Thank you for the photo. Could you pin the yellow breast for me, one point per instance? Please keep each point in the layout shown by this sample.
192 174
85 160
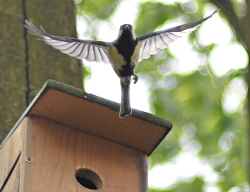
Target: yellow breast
135 56
116 59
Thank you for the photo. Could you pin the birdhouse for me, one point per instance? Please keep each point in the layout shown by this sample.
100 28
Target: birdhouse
68 140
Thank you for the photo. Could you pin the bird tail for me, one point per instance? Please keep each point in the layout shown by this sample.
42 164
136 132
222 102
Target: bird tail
125 108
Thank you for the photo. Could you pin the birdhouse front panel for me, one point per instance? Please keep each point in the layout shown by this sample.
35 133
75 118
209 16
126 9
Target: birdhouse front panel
61 158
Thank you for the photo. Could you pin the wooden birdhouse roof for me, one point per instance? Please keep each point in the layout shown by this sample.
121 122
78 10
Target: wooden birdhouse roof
73 107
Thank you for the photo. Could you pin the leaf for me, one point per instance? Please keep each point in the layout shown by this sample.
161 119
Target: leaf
195 185
154 14
101 9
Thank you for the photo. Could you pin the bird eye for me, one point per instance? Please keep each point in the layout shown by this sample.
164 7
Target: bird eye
122 27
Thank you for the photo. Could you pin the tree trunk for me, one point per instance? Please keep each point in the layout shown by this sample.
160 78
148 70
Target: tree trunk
25 62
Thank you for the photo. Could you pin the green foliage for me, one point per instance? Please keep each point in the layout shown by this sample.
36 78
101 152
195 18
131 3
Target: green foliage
194 185
194 107
86 73
101 9
192 102
155 12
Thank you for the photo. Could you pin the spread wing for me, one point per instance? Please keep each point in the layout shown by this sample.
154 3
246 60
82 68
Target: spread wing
81 49
152 42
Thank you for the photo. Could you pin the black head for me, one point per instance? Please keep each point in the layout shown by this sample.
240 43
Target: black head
126 30
126 27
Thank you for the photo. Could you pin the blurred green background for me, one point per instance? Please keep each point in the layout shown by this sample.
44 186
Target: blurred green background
208 108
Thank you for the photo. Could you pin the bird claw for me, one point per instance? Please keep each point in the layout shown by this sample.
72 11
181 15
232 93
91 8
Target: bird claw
135 79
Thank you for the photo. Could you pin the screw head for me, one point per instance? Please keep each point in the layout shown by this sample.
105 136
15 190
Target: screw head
29 159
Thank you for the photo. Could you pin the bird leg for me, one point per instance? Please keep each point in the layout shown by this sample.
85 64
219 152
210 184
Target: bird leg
135 78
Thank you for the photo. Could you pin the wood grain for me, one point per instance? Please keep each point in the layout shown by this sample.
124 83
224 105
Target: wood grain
13 184
58 151
10 151
99 120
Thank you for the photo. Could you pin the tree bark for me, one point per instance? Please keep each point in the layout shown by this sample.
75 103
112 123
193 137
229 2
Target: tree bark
25 62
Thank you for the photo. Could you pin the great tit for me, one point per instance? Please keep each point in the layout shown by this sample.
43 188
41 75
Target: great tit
123 53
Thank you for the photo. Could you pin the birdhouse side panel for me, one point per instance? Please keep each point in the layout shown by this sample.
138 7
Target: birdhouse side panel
10 153
13 184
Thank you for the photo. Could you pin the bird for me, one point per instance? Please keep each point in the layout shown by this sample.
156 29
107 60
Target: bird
124 53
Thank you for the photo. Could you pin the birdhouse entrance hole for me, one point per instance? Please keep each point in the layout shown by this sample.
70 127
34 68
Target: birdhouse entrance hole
88 178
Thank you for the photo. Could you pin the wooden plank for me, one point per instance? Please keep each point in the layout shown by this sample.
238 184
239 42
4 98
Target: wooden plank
13 183
10 151
58 151
98 120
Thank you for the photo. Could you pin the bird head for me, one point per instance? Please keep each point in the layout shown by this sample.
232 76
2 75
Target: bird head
126 30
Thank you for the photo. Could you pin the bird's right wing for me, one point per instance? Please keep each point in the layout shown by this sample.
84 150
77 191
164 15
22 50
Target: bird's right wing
82 49
152 42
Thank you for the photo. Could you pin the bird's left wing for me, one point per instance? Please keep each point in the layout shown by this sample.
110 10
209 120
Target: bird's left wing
81 49
152 42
